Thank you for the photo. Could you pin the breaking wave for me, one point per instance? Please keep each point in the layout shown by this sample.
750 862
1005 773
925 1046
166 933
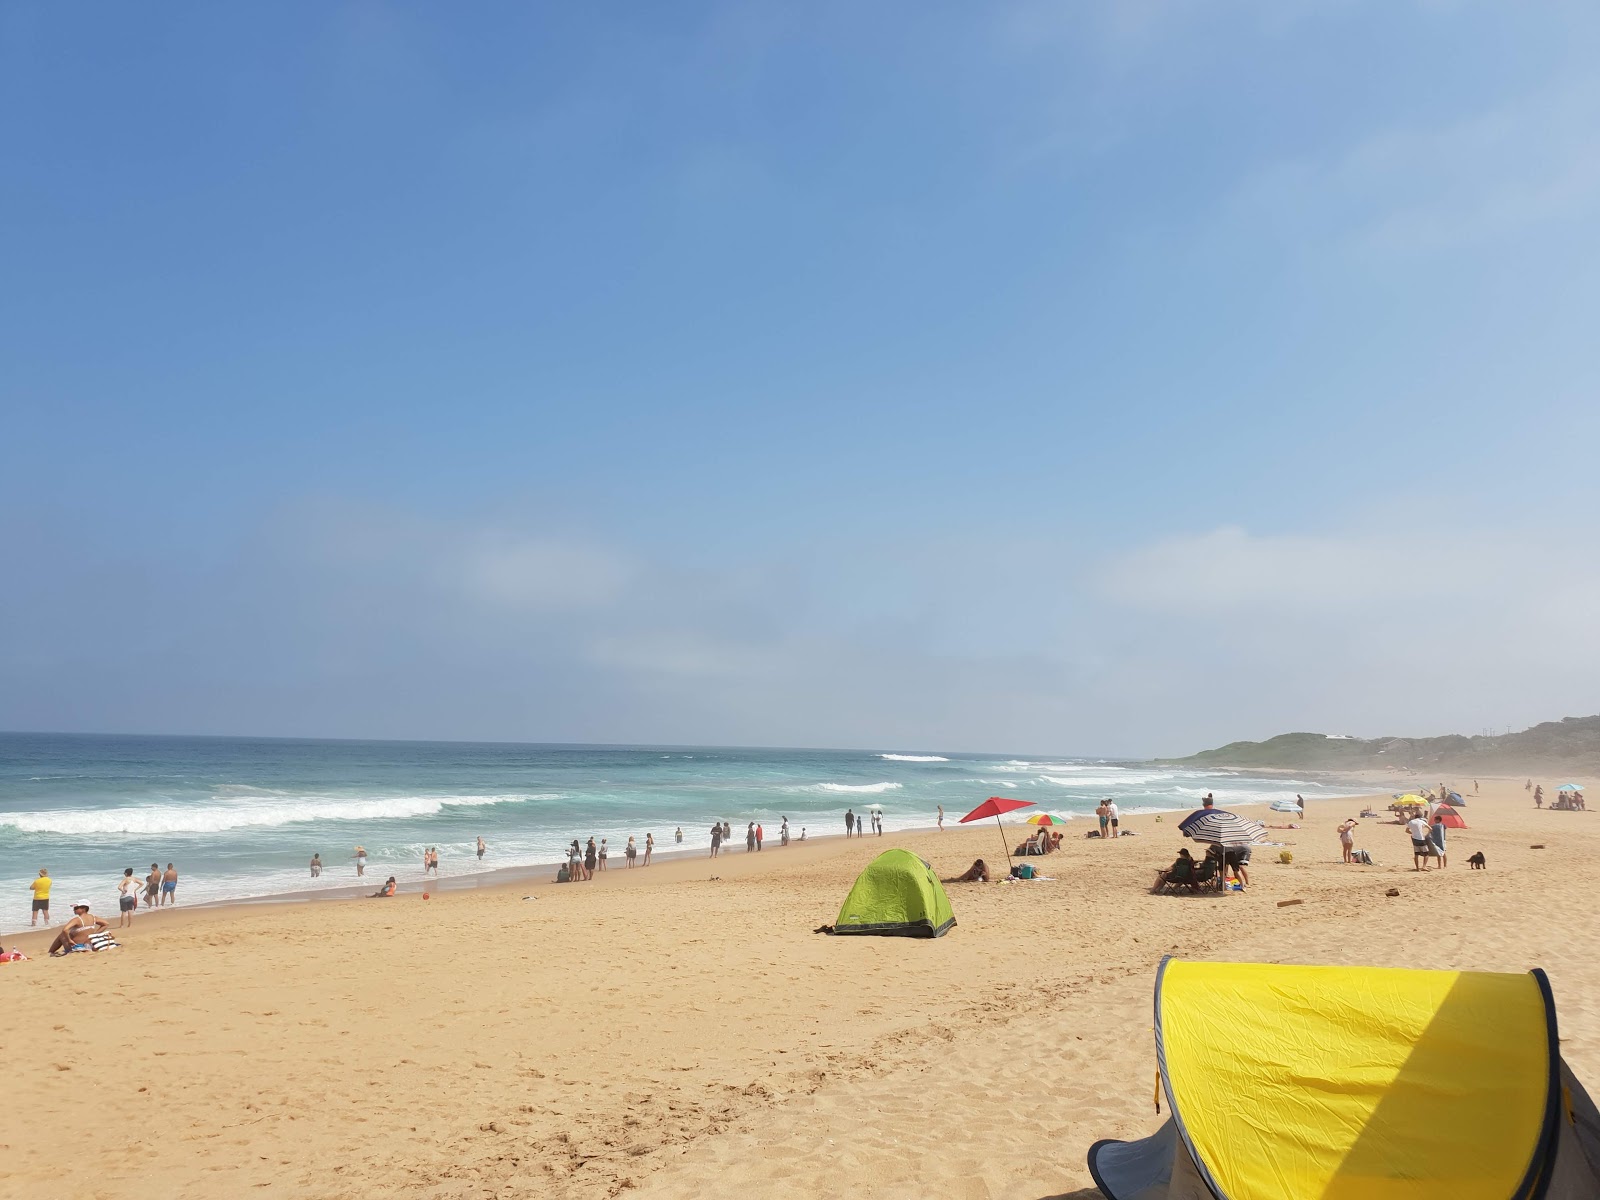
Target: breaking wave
914 757
214 818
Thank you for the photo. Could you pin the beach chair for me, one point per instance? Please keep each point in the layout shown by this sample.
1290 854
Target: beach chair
1179 876
1207 874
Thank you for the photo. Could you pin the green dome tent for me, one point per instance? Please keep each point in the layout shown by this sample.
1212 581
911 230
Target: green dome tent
898 895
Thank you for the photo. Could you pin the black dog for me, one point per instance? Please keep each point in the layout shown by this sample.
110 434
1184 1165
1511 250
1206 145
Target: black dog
1477 862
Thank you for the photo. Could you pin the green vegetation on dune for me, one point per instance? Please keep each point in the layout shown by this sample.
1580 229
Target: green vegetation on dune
1572 743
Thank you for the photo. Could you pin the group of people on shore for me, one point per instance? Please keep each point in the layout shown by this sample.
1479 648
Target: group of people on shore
855 826
158 889
755 836
584 861
1568 799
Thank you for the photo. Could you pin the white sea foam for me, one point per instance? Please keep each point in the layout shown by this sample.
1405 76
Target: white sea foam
214 818
914 757
855 787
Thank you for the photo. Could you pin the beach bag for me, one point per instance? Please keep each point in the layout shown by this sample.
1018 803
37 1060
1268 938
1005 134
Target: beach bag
1365 859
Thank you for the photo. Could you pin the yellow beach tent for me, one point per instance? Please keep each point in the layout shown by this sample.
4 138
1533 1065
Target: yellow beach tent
1357 1083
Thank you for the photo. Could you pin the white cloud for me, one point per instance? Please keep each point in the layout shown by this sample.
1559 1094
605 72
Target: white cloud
1418 189
537 573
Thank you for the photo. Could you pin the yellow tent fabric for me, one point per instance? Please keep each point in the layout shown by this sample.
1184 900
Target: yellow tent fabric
1357 1083
1350 1083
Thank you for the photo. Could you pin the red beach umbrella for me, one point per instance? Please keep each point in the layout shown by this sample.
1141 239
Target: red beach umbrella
993 807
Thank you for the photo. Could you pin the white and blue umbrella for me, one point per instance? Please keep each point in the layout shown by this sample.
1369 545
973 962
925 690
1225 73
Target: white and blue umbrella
1284 806
1221 828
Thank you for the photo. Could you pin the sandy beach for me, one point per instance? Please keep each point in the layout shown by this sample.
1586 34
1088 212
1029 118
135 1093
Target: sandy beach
680 1030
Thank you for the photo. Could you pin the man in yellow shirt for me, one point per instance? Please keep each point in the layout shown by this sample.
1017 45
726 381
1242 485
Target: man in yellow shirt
41 897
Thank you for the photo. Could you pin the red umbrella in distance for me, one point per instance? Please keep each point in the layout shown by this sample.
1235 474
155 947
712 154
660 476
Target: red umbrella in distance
993 807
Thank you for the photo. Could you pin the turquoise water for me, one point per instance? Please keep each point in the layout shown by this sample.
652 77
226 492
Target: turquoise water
242 816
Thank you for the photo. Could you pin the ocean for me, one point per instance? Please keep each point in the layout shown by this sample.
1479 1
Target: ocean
241 817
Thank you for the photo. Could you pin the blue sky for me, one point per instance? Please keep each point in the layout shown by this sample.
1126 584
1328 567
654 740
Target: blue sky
1115 378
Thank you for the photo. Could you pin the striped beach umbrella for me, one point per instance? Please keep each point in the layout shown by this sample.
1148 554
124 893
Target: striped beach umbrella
1046 818
1221 828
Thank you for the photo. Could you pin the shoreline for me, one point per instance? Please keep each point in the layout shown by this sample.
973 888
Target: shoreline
497 880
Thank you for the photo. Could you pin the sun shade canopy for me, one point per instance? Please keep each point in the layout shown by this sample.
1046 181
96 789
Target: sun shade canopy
1357 1083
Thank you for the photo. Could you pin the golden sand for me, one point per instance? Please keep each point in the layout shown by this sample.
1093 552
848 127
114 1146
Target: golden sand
663 1031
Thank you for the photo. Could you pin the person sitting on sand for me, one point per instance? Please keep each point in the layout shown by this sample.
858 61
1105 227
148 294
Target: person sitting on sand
387 890
978 872
77 931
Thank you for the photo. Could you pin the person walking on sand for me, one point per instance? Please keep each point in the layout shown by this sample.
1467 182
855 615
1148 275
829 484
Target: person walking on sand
1347 839
941 818
316 866
849 821
40 888
1104 813
649 845
127 898
169 886
152 885
631 851
716 840
481 849
361 861
1437 833
1538 796
1421 843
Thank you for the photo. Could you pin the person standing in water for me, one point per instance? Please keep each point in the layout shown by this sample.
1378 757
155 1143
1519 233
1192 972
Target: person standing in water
716 840
169 886
678 836
40 888
361 861
481 849
941 818
849 821
127 898
152 885
316 866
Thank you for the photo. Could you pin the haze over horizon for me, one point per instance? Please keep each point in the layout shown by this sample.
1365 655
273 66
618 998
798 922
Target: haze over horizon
1121 379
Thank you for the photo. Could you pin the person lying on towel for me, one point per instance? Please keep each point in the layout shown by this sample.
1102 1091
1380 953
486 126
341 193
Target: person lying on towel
978 872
